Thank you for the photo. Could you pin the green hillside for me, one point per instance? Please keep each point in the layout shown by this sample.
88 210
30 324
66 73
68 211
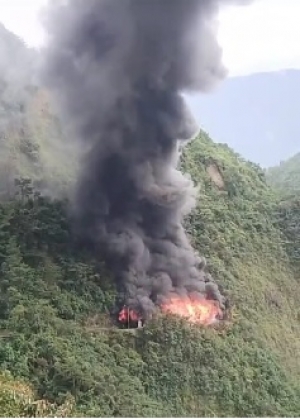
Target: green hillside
285 178
61 352
56 304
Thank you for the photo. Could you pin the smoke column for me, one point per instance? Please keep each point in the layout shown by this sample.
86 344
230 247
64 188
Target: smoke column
118 68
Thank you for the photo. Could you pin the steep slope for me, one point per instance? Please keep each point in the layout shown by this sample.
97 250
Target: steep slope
285 178
237 231
61 353
256 115
31 139
57 301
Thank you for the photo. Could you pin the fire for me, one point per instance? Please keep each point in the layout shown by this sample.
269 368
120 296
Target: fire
194 309
128 315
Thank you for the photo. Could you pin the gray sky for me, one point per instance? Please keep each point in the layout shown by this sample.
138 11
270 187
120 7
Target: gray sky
262 36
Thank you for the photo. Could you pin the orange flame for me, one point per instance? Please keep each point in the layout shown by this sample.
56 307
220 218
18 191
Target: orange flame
128 315
194 309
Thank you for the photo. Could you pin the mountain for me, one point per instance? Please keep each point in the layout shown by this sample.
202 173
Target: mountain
62 352
256 115
286 177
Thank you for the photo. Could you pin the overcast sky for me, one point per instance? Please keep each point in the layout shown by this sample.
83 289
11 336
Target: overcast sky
259 37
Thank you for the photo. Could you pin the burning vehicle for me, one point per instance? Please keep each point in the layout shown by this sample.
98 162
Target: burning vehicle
130 318
195 309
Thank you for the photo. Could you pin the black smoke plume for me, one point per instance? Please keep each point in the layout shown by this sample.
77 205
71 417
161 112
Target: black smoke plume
119 68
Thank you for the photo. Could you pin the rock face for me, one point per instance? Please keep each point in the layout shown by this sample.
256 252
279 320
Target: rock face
215 175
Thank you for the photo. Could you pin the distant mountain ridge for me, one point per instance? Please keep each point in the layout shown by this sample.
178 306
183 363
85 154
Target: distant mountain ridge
285 178
32 143
257 115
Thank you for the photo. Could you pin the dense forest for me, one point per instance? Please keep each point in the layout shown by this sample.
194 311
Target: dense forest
61 352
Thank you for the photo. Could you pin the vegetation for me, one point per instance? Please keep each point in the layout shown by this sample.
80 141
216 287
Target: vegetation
55 306
285 178
61 354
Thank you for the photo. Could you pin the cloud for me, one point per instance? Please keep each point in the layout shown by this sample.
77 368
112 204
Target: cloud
261 37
